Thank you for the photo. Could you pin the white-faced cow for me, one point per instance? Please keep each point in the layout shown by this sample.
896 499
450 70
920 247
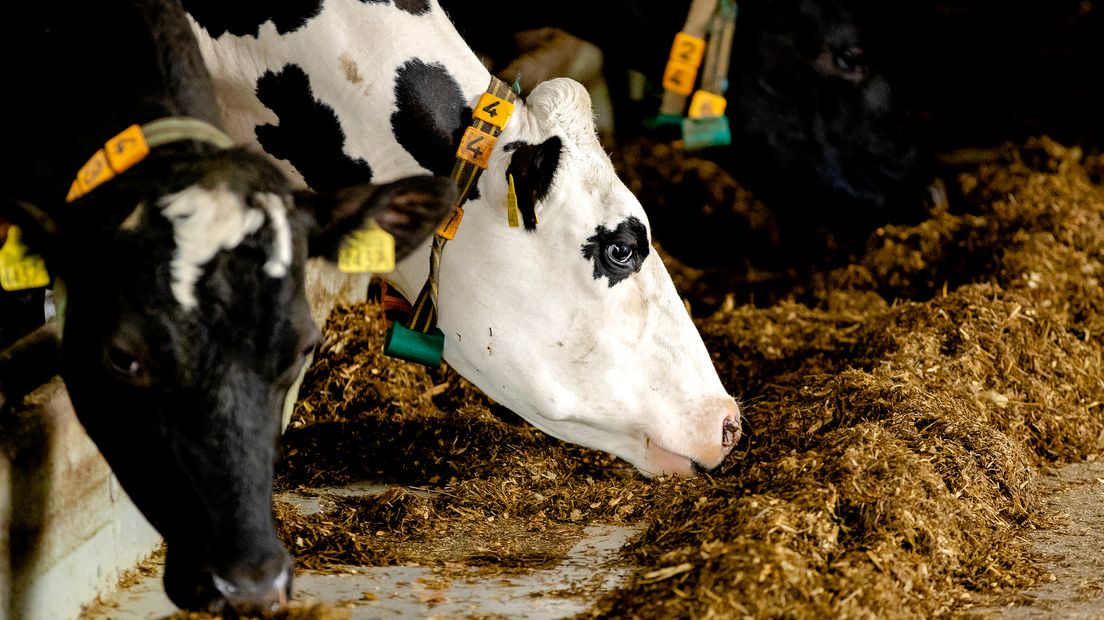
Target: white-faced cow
571 321
185 316
816 130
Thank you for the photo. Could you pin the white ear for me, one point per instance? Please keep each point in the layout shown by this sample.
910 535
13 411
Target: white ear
563 104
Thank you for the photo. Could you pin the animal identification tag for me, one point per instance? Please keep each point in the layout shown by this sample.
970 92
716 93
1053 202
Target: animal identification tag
368 250
705 103
94 173
513 214
700 133
682 66
493 110
451 225
688 49
126 149
476 147
19 269
679 77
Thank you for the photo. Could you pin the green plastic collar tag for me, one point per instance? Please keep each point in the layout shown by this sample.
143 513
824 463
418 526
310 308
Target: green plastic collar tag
700 133
415 346
19 268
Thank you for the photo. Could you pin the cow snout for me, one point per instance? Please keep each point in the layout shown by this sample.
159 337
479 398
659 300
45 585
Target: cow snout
265 587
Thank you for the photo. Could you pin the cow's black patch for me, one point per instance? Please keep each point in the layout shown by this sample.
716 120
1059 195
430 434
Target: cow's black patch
245 17
309 135
414 7
431 115
533 166
618 253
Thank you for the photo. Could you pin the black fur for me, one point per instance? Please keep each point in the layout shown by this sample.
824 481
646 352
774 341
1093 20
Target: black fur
431 115
629 241
414 7
245 17
309 135
533 167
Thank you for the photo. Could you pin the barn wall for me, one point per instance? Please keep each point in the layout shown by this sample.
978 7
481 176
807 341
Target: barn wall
67 530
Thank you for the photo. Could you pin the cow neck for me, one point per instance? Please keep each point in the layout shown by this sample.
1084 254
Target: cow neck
134 143
489 118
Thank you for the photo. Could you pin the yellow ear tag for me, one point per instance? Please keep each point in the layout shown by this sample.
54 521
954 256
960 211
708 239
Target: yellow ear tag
513 214
705 104
19 269
368 250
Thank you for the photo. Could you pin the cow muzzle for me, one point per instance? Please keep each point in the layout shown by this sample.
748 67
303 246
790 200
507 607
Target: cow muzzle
701 446
252 589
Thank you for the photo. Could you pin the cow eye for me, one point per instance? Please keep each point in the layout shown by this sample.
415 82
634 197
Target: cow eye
308 348
619 253
850 59
125 365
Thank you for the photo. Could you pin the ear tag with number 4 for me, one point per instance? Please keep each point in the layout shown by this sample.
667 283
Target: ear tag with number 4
368 250
19 268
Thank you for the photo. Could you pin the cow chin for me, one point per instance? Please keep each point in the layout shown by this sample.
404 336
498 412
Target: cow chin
660 461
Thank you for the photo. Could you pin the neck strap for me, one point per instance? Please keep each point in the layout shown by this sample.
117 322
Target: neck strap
420 340
133 144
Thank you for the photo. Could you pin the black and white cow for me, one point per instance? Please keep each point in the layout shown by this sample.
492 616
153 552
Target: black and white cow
185 316
817 132
571 321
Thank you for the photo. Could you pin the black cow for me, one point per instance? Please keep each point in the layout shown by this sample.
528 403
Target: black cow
816 132
185 316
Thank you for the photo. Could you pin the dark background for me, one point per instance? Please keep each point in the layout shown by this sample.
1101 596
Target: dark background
979 73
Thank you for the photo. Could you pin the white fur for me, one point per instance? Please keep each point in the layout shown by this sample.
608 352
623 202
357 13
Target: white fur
207 221
620 368
276 209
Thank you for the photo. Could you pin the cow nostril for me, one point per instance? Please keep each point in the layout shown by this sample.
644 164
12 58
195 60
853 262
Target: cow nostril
730 432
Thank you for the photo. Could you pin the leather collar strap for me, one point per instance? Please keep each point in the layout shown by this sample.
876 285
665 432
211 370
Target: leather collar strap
133 144
488 119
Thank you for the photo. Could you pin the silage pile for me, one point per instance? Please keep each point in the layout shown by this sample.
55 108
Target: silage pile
895 444
897 418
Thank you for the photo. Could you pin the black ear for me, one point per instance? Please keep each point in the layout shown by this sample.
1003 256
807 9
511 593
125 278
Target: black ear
410 209
533 166
38 229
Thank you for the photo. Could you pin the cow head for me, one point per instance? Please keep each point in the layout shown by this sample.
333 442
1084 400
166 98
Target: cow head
816 123
185 324
571 320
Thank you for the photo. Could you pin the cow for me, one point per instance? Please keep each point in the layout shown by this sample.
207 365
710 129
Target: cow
817 133
570 320
184 320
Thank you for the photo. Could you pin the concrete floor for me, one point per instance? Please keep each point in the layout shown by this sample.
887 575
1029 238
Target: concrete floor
420 592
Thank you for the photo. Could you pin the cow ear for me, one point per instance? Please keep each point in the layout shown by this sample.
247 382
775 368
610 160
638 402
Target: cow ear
531 170
409 209
38 231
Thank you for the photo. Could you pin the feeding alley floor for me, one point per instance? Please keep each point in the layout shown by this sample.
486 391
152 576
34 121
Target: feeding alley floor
587 570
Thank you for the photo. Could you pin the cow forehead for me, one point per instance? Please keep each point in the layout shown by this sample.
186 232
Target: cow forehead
587 183
207 220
